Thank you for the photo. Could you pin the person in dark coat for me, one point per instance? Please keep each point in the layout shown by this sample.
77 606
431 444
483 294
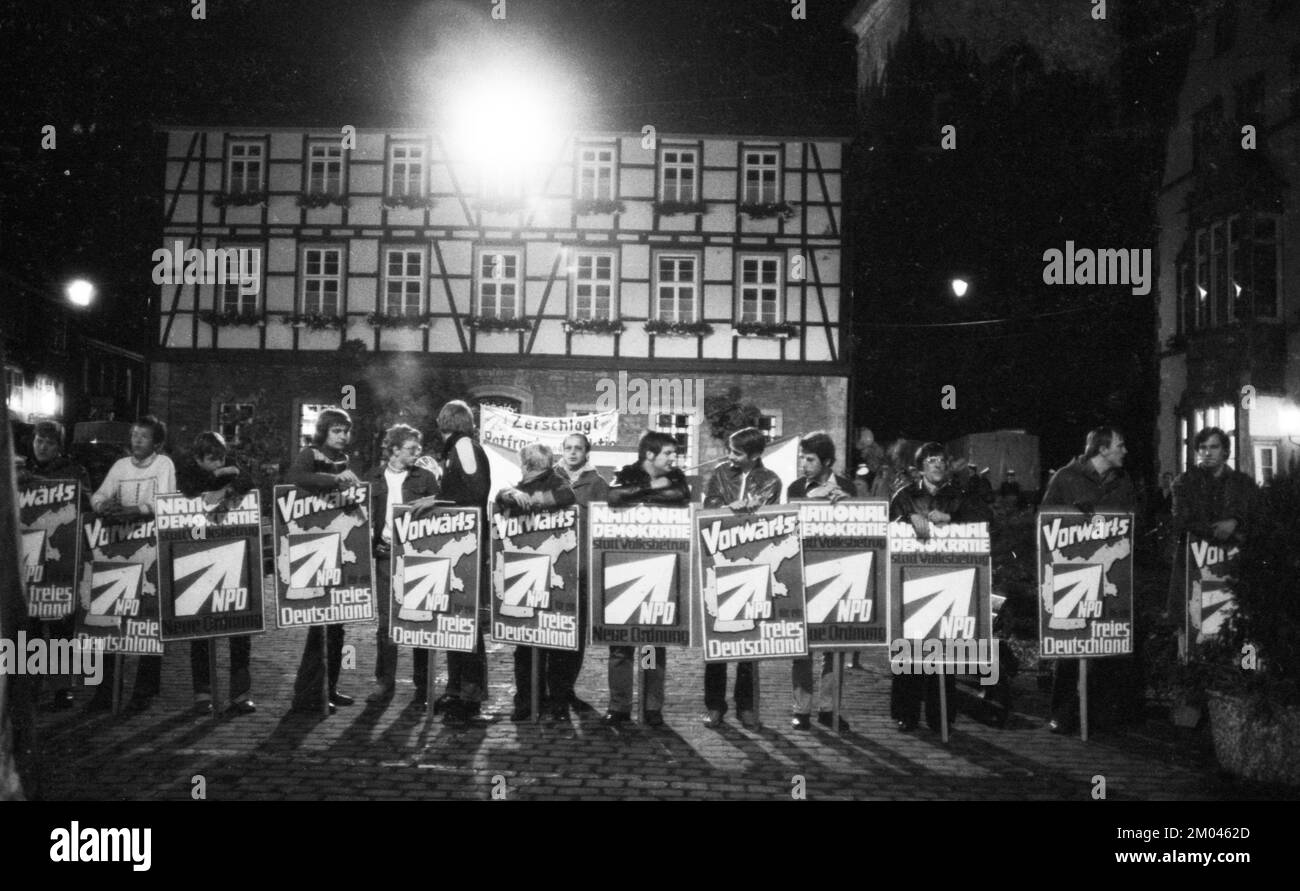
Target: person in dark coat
933 500
1210 500
207 472
541 488
323 467
397 480
466 481
1094 481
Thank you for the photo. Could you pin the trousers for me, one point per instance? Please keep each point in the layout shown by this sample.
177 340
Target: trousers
621 660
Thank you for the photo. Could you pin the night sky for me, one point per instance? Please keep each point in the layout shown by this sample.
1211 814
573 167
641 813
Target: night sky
1047 153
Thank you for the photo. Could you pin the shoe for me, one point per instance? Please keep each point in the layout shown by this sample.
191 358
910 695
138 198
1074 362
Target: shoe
440 704
616 719
801 722
381 693
654 717
62 700
748 719
906 726
310 708
713 719
1060 728
243 706
337 698
520 713
560 715
580 707
827 719
202 707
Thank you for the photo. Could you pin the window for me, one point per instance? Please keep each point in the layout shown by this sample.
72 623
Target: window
322 280
232 418
14 389
308 412
1250 101
1185 441
760 169
403 281
596 173
677 426
509 403
679 175
324 168
769 421
593 286
760 289
245 166
406 162
1237 271
1265 464
676 287
237 296
499 280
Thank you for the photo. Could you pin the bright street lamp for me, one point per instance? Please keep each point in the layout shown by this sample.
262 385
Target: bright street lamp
80 292
959 286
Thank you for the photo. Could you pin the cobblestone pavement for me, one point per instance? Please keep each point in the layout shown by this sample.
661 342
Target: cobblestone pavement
391 752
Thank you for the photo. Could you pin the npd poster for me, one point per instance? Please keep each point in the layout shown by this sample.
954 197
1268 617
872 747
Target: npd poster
324 574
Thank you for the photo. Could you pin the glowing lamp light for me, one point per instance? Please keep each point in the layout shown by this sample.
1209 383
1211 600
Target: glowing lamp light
960 286
1288 416
80 292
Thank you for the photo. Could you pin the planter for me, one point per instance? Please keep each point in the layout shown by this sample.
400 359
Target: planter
1252 747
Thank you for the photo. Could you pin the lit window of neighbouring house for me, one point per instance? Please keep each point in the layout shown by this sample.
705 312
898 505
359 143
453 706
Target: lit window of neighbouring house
499 284
244 167
770 423
676 287
232 418
679 175
760 289
234 298
677 426
761 171
403 281
596 173
1265 464
307 415
593 285
406 162
1237 271
322 280
325 168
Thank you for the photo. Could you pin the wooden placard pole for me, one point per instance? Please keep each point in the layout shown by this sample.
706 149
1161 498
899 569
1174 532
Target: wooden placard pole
758 719
535 684
430 674
838 691
213 686
324 670
943 702
1083 699
119 669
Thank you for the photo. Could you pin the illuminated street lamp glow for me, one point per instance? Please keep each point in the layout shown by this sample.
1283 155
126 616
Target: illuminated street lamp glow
80 292
960 286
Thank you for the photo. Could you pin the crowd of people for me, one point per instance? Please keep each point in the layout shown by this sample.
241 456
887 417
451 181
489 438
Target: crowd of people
927 489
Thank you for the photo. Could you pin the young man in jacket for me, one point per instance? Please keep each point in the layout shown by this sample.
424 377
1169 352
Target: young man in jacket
742 484
933 500
819 482
127 495
588 486
541 488
323 467
1094 481
653 479
206 472
49 463
397 480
